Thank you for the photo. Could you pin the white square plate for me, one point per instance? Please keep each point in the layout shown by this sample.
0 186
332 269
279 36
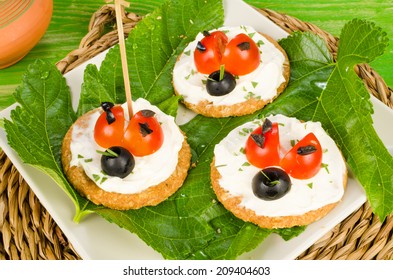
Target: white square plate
95 238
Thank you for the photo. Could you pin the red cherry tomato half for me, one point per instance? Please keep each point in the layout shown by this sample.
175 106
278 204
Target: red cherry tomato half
304 160
241 55
266 154
208 54
144 134
107 135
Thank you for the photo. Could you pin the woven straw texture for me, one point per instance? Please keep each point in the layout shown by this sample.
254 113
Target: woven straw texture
27 231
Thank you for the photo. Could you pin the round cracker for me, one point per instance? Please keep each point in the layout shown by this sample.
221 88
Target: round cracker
232 204
249 106
149 197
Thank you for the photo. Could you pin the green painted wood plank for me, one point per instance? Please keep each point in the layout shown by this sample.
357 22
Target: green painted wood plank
333 14
71 18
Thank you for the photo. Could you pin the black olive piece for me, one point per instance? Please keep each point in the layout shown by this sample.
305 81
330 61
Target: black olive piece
266 126
259 139
306 150
147 113
206 33
145 129
271 183
107 106
217 87
244 46
200 47
120 165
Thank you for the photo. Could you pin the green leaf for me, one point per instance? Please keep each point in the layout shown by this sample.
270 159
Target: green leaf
170 105
362 39
38 125
93 91
289 233
103 85
303 61
349 120
344 109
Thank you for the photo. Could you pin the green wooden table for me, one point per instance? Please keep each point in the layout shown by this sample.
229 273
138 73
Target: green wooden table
71 18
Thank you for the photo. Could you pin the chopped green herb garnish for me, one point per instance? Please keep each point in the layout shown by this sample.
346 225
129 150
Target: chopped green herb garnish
254 84
187 52
246 164
96 177
325 165
242 150
80 156
88 160
273 183
222 72
249 95
260 43
281 124
222 165
310 185
251 34
108 153
247 130
103 180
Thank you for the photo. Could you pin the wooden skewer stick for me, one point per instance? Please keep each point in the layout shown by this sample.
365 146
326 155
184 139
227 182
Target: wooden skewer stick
123 54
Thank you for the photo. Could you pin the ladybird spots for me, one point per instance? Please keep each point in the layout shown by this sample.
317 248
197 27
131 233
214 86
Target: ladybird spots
147 113
206 33
259 139
244 46
266 126
200 47
306 150
144 129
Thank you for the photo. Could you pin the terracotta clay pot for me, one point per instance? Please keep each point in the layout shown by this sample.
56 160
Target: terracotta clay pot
22 25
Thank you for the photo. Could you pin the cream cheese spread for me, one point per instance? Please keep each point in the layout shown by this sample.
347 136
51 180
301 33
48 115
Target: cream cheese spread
305 195
149 170
262 83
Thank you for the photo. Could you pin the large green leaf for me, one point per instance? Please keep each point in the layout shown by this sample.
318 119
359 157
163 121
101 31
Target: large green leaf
344 109
105 84
40 122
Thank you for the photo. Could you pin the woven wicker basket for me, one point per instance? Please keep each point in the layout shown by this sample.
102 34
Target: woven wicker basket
27 230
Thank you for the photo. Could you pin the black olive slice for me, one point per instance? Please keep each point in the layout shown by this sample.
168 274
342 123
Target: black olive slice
217 87
119 163
271 183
